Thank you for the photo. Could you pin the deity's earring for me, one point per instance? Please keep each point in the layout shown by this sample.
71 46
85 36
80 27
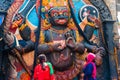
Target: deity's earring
46 24
71 24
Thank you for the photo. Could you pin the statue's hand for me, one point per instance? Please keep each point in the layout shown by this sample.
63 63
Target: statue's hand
49 47
94 20
17 21
70 43
100 51
56 47
97 23
9 39
19 49
80 48
77 47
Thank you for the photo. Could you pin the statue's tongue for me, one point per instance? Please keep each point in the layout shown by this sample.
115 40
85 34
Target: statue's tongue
61 21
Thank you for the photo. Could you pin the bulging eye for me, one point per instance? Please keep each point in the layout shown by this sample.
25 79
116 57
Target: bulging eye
94 11
55 14
65 13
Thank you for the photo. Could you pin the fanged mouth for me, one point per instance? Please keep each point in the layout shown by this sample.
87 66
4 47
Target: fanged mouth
61 21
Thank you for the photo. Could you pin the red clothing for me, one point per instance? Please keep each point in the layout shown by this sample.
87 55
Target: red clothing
40 74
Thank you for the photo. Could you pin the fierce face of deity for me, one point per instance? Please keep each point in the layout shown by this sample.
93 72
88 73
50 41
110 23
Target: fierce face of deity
58 16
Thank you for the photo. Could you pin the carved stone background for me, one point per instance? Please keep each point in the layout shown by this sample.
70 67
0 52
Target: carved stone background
112 6
104 71
105 13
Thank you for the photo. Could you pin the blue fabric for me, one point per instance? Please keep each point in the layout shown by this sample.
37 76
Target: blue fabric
88 72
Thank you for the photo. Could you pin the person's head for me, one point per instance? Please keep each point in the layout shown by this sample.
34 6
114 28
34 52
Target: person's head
42 58
90 57
98 60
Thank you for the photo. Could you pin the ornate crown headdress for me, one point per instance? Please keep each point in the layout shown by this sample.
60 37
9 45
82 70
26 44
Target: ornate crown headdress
54 3
47 5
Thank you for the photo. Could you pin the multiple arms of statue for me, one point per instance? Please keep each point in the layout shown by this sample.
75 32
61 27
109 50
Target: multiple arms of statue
45 48
24 29
26 45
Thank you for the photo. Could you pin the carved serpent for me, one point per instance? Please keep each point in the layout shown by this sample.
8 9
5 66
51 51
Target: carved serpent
8 36
12 11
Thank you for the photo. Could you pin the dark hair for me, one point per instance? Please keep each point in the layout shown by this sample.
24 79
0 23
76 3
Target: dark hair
42 58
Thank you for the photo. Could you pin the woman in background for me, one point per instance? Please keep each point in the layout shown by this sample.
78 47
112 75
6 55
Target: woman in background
43 70
90 67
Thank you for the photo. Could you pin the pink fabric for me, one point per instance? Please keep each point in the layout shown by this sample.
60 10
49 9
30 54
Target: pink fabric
90 59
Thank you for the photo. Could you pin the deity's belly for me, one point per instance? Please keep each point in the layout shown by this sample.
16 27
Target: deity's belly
64 59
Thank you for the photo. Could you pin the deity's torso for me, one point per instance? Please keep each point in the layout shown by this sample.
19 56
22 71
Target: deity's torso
62 59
